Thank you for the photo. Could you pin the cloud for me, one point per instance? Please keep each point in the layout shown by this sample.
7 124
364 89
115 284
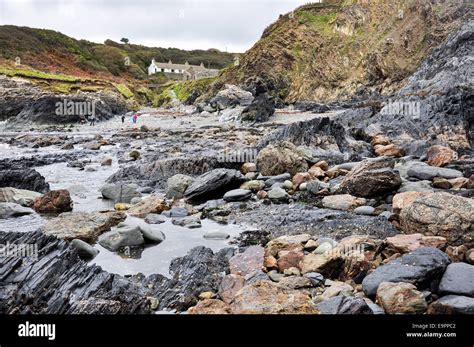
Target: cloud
234 25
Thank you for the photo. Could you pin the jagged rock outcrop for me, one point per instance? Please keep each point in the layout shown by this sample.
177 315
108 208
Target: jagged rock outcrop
279 220
22 102
200 271
58 282
158 172
435 107
320 139
28 179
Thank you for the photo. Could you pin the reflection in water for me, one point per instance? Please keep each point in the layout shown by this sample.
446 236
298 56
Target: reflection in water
156 259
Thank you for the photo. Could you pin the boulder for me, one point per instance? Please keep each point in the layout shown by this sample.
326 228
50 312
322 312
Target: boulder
440 156
93 145
247 262
82 225
10 209
177 185
190 222
176 212
440 214
458 280
402 200
150 204
327 264
154 218
248 167
295 282
316 171
270 181
210 306
28 179
253 185
237 195
265 297
229 286
344 202
290 258
299 178
214 184
452 304
231 114
419 267
344 305
365 210
372 177
278 195
123 235
84 250
106 161
336 288
260 110
390 150
231 96
281 158
401 298
55 202
18 196
119 192
423 171
402 243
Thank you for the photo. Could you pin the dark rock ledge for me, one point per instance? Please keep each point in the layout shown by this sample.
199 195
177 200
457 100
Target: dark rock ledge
58 282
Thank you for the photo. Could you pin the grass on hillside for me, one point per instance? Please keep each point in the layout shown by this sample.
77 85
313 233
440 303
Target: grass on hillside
35 74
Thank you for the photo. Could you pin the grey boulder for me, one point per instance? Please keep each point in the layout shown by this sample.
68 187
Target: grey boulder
123 235
10 209
120 192
344 305
419 267
458 279
213 184
237 195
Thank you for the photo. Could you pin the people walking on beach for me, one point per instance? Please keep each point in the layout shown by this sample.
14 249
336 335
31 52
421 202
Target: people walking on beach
135 118
123 118
92 121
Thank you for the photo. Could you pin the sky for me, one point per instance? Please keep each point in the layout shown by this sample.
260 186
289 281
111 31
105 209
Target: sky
228 25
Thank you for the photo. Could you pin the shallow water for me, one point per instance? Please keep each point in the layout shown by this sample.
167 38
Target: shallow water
82 185
156 259
84 188
22 224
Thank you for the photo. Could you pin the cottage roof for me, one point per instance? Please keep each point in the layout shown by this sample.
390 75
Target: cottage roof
170 65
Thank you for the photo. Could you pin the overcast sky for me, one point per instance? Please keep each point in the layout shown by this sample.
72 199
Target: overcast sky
232 25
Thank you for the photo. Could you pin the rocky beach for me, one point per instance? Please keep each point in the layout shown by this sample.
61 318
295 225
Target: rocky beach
242 202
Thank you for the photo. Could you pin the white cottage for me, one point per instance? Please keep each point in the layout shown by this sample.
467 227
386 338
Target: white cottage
181 71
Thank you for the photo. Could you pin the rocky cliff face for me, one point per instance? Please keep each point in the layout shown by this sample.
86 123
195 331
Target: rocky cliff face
436 106
345 49
23 102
